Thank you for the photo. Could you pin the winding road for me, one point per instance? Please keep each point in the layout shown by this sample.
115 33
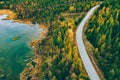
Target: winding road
82 50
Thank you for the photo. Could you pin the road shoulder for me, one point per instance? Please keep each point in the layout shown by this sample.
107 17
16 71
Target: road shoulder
90 50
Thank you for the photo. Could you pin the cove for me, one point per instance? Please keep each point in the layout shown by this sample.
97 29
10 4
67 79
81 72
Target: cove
15 50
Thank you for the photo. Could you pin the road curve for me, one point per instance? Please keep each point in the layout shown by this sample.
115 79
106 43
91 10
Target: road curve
81 47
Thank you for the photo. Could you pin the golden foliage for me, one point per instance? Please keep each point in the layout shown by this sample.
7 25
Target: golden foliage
96 50
107 10
102 39
72 8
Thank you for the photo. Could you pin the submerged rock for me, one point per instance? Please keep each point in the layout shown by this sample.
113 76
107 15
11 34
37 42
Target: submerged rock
3 76
16 38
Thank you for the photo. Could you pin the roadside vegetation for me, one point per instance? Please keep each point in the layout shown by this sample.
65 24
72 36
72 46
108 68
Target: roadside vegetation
104 34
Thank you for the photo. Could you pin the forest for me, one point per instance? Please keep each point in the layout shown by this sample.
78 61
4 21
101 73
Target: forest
57 53
104 34
39 11
56 56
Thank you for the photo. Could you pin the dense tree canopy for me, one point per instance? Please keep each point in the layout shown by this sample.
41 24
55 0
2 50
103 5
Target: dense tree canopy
44 10
104 33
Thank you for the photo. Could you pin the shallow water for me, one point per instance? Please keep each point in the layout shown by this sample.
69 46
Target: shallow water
14 53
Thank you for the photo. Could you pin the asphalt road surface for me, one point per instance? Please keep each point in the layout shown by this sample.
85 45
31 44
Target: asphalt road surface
81 47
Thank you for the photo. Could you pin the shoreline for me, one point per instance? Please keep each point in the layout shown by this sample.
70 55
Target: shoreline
12 16
33 44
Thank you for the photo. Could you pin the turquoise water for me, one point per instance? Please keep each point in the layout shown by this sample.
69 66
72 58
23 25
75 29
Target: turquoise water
14 54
